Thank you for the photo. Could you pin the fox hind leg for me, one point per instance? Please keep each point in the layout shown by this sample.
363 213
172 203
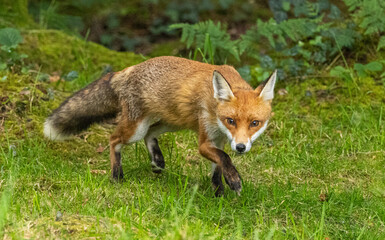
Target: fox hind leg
126 132
115 158
151 141
157 159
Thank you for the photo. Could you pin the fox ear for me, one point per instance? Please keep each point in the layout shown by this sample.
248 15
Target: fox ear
222 89
266 88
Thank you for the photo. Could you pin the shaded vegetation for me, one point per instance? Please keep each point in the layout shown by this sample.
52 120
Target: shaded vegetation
54 50
135 25
304 37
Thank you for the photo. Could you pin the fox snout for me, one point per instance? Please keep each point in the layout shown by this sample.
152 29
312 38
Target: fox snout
240 147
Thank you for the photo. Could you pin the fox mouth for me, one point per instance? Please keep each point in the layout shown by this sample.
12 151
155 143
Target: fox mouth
240 153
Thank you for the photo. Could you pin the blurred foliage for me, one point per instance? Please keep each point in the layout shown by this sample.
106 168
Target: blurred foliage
303 37
10 59
55 51
219 40
15 14
136 24
297 37
373 69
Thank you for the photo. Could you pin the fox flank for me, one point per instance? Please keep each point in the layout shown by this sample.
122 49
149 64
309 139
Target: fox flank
167 94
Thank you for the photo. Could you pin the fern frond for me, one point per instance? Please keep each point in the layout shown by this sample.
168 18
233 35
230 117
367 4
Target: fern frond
220 42
370 14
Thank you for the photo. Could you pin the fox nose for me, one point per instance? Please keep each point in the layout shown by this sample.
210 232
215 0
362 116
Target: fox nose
240 147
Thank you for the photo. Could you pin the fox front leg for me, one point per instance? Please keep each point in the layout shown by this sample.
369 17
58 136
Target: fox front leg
216 171
216 180
224 163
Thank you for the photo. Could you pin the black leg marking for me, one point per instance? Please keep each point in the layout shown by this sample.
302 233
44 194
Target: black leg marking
217 182
117 171
157 159
232 177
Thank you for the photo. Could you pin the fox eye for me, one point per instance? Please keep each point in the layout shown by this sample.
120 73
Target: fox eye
254 123
230 121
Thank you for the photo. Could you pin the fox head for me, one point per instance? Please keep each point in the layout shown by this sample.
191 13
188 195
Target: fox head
242 115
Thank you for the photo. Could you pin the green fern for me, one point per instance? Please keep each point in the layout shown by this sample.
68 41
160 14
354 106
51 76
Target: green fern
381 43
367 10
221 44
344 37
371 13
298 29
370 16
277 33
296 46
353 4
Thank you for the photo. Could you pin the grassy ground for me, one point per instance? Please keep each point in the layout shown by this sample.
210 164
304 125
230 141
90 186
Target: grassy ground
316 173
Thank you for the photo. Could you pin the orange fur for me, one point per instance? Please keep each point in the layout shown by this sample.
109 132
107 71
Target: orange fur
244 109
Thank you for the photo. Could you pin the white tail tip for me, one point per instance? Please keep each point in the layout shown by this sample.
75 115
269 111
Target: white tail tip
52 133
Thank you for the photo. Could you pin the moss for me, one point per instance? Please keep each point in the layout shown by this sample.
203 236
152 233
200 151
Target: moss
15 14
54 50
167 48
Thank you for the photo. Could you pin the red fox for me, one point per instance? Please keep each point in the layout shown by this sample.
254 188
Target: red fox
166 94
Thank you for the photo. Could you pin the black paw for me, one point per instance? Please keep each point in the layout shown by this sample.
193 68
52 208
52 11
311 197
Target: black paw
233 179
219 190
117 174
157 163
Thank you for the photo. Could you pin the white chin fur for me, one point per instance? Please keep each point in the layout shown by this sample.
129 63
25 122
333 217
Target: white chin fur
52 133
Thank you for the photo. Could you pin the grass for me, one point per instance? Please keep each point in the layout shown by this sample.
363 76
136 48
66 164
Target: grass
316 173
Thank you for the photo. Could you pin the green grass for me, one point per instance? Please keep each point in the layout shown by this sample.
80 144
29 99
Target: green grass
317 173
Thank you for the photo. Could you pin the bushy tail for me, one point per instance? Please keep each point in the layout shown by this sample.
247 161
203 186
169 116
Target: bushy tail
94 103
